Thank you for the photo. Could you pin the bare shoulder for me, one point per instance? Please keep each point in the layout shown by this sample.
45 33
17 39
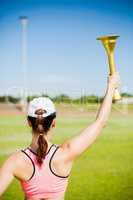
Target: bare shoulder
10 165
59 163
14 158
17 158
64 150
19 163
61 152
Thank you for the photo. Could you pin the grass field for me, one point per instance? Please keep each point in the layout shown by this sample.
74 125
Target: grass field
103 172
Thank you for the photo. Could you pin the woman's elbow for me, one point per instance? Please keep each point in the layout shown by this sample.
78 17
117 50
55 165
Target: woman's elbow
102 123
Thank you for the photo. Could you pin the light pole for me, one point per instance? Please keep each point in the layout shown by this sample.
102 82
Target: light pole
24 24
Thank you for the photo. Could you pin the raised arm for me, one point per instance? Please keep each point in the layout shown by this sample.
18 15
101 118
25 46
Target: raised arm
75 146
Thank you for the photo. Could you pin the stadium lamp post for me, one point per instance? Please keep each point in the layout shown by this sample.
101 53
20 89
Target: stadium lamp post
24 24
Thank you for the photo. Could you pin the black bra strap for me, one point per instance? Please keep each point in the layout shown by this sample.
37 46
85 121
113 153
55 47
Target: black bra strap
51 166
36 153
32 164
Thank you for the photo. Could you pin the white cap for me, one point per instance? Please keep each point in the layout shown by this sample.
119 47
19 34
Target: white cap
43 103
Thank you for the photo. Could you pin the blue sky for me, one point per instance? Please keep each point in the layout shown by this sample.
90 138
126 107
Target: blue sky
63 53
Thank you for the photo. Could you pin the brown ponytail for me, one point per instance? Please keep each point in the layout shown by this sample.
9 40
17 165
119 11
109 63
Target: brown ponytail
41 125
42 148
42 143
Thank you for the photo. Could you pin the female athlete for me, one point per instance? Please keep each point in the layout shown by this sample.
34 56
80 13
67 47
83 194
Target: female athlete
43 168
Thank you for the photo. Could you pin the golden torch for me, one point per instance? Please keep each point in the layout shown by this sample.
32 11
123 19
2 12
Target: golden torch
109 44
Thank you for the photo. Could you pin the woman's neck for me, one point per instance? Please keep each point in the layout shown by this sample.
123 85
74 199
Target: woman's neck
34 142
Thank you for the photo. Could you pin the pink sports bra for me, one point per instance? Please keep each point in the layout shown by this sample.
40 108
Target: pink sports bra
44 182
